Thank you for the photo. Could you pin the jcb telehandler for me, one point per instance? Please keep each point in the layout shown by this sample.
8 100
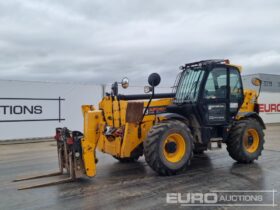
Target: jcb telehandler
208 104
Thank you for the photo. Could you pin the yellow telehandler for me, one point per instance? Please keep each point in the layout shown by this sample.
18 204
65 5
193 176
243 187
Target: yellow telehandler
208 104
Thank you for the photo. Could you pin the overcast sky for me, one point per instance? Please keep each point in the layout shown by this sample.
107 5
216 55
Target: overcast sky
100 41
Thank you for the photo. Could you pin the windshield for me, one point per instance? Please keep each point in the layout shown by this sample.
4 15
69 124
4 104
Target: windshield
188 86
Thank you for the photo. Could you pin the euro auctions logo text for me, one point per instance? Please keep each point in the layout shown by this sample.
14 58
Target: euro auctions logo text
223 198
30 109
192 198
20 110
271 108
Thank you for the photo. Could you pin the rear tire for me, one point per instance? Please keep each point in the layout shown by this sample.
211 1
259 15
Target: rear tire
168 148
246 140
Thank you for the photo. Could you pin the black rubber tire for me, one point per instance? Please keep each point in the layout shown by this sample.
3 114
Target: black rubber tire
153 147
126 159
235 146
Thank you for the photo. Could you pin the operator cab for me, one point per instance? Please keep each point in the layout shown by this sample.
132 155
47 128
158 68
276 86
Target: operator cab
209 93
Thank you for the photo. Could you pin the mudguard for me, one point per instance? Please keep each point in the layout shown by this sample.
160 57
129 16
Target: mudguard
252 115
169 116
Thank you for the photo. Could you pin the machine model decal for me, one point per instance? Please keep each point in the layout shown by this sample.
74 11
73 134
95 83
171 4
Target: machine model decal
216 112
156 110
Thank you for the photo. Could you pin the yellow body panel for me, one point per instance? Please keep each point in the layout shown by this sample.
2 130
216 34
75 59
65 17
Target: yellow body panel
131 138
92 131
250 99
112 147
112 113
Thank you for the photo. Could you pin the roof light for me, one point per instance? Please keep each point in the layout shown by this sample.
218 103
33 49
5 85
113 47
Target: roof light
227 61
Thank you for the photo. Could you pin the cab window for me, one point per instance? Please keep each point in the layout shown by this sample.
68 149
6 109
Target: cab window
235 85
236 92
216 84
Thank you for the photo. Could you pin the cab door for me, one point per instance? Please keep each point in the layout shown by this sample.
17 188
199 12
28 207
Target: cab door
222 95
215 97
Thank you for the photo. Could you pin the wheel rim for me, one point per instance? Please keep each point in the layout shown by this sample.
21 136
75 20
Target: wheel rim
251 140
174 148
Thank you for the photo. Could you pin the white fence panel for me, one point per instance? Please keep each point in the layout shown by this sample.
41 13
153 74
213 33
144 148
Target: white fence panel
270 107
31 109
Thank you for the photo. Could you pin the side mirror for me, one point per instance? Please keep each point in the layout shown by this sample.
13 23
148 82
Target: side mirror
154 79
125 83
256 81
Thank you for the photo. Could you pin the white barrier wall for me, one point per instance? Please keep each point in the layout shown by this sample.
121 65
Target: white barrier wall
31 109
270 107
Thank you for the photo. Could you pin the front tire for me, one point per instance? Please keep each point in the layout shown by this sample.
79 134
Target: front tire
168 148
246 140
